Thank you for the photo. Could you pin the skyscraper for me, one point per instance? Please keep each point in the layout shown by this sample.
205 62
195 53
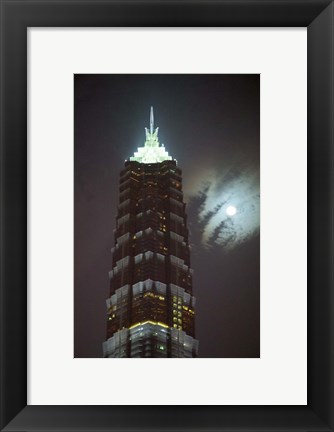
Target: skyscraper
151 307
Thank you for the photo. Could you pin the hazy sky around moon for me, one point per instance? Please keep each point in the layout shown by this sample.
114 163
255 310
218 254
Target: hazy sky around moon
218 191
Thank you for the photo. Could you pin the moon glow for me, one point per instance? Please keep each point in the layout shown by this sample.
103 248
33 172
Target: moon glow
231 211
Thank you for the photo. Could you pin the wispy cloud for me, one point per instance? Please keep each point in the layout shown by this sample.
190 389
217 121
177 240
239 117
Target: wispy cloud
216 191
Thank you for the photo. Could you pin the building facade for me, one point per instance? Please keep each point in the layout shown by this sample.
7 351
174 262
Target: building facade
151 308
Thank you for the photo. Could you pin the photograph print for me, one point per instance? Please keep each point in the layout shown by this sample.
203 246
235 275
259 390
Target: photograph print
167 216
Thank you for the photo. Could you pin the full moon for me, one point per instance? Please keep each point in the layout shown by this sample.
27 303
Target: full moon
231 211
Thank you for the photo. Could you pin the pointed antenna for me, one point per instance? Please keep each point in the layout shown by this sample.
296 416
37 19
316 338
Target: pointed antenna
151 120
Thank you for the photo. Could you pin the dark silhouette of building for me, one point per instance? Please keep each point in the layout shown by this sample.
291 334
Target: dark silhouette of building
151 307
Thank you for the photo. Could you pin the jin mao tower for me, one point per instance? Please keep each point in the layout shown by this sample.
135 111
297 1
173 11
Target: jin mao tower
151 308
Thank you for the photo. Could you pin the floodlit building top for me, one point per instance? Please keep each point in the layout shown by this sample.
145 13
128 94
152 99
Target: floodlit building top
152 152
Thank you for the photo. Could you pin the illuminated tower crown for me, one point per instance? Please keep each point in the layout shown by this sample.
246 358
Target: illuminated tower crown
152 152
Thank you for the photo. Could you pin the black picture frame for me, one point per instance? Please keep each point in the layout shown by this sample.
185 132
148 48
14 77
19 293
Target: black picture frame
16 16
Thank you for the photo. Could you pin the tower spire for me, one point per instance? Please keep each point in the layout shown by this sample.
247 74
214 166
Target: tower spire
151 120
151 152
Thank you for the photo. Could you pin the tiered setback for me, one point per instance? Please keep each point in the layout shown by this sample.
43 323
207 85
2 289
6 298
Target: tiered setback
151 307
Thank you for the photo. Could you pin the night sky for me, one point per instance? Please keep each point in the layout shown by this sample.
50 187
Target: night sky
211 125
